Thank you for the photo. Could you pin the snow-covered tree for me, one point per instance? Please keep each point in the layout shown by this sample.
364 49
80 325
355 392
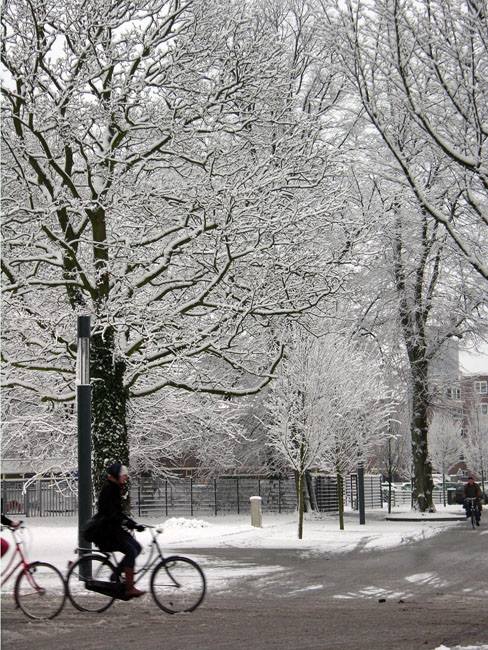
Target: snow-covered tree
418 285
168 168
421 70
356 411
475 439
196 430
294 403
328 407
445 443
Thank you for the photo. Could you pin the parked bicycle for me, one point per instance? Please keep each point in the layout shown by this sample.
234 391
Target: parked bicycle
39 590
473 510
177 583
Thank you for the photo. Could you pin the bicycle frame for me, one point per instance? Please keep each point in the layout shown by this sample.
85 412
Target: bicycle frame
473 506
8 571
155 554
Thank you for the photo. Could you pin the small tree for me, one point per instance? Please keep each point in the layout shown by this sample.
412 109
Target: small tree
355 412
393 455
294 405
445 445
328 407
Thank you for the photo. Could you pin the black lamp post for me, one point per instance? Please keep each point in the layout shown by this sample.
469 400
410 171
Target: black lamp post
83 400
361 502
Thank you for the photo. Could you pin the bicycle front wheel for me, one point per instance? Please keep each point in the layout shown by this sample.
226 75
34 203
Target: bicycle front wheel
85 581
40 591
473 517
178 585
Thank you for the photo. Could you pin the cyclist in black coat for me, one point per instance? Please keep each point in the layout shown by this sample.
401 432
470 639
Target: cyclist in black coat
112 522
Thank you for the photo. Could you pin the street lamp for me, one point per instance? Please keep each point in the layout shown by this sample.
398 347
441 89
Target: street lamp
83 401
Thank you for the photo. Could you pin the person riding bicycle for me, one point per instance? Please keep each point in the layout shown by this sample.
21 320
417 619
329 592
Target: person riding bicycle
110 523
472 491
11 524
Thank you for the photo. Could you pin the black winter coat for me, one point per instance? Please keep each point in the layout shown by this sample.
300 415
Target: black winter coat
106 527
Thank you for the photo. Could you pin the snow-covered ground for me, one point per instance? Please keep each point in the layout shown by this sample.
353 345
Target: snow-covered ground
54 539
463 647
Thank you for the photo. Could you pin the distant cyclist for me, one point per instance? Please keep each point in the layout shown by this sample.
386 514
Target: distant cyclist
472 491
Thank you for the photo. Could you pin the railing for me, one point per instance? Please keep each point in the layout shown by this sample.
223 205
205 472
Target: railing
225 495
404 497
187 496
41 498
154 497
326 496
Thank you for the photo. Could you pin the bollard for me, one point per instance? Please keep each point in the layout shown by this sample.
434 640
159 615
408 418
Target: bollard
256 513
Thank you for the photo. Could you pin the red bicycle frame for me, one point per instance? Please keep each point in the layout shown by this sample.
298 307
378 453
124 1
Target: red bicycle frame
8 571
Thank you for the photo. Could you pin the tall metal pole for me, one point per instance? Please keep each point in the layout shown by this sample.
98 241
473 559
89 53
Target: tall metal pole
362 513
390 472
83 398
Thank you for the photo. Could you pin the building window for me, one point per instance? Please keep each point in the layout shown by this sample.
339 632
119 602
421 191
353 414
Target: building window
453 393
484 409
481 387
458 413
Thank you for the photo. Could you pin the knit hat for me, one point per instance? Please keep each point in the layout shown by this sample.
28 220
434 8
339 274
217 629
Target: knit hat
117 469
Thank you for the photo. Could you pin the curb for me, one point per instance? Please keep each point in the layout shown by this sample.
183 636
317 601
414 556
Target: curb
422 519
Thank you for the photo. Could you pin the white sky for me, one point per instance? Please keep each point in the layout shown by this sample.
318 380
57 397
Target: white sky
472 360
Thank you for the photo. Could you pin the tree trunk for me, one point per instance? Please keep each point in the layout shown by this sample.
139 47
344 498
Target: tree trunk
109 407
444 485
301 503
422 468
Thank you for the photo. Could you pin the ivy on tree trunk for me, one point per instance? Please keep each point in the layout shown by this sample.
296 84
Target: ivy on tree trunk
422 468
109 406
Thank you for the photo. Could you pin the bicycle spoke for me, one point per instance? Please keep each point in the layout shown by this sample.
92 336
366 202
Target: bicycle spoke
40 591
178 585
84 577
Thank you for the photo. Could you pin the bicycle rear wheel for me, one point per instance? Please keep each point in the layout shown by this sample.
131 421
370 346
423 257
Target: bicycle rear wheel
178 584
40 591
82 578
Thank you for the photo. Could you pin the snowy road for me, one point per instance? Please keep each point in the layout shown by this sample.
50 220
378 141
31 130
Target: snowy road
419 595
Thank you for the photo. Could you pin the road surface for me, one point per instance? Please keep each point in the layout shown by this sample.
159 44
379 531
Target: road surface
418 595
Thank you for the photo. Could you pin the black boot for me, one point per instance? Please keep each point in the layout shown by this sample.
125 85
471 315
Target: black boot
115 577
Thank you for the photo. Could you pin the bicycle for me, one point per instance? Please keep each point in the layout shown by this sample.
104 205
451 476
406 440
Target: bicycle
474 510
177 583
40 589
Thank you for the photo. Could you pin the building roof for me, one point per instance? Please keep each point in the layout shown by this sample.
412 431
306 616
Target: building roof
33 466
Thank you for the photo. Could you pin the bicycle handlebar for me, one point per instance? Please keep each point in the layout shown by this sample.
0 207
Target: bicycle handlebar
157 529
20 524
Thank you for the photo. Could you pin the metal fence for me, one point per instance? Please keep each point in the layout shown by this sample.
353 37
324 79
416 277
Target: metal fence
41 498
326 494
155 497
373 497
404 497
225 495
188 496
